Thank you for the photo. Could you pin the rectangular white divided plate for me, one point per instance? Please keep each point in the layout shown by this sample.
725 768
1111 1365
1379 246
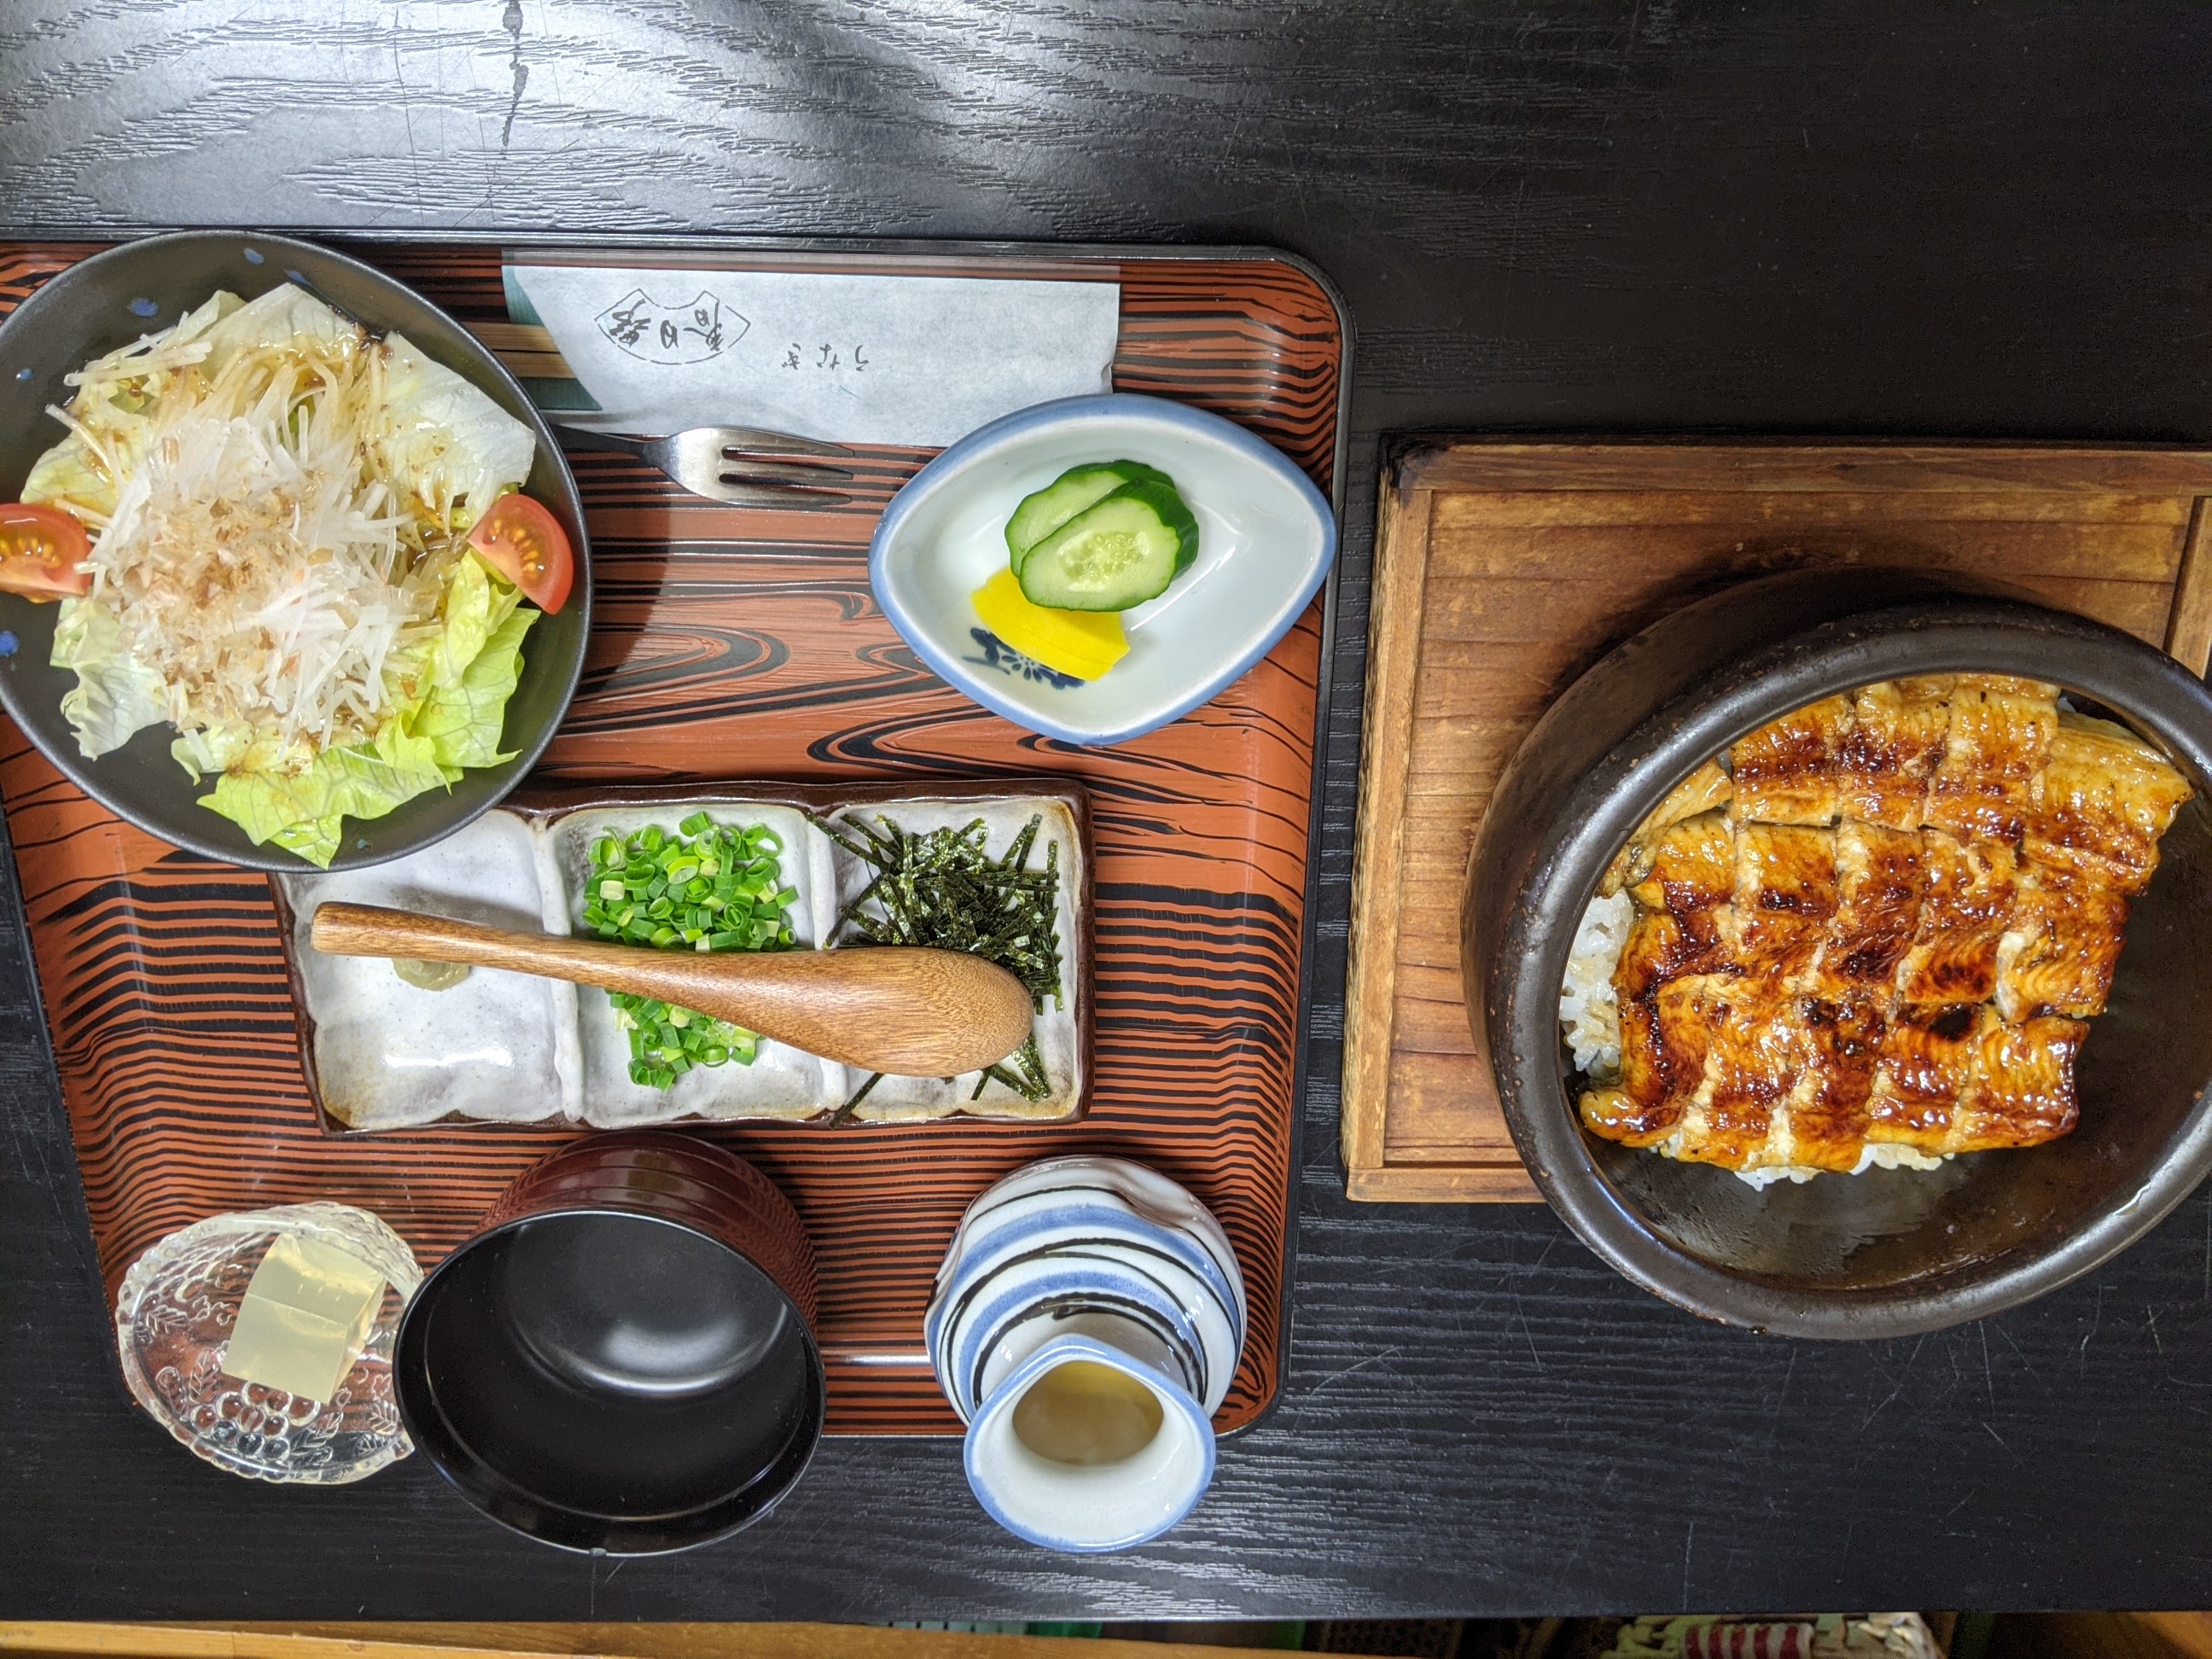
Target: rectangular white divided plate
508 1048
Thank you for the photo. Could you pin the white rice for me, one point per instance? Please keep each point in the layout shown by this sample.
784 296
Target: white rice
1870 1158
1588 1007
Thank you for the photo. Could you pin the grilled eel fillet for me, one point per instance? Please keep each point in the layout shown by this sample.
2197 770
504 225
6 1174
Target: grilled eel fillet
1883 924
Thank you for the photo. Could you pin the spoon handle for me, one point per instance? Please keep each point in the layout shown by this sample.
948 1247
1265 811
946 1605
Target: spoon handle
885 1008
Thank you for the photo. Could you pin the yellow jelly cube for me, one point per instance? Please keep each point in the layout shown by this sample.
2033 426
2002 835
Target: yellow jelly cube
1083 643
306 1315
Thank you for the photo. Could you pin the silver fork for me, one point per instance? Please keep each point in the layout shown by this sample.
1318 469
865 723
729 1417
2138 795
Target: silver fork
714 461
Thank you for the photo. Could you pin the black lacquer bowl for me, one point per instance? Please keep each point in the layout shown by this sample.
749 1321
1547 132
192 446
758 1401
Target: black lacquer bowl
622 1359
110 300
1887 1253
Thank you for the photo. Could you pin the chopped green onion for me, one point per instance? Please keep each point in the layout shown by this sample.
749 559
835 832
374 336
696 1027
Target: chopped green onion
703 888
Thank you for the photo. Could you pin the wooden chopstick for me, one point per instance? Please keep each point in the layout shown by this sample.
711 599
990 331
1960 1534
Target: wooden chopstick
526 349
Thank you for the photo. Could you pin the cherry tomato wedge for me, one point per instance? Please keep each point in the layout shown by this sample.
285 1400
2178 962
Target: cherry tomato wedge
525 544
41 551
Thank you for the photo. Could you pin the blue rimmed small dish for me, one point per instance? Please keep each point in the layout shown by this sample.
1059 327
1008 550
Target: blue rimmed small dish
1267 538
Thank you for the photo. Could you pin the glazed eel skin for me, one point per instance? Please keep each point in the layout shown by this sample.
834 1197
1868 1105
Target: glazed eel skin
1883 923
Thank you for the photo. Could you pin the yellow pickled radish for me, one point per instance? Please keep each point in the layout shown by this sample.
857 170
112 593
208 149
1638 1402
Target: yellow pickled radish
1083 643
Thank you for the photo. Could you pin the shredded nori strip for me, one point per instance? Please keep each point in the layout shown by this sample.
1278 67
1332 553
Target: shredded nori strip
941 890
854 1099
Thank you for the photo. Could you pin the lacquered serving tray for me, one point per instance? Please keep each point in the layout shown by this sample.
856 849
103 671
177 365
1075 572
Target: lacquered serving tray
731 643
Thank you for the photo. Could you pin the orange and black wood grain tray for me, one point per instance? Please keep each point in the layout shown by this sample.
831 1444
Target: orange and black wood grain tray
731 643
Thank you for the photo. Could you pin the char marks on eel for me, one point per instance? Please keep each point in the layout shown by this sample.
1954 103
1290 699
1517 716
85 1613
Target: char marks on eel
1875 934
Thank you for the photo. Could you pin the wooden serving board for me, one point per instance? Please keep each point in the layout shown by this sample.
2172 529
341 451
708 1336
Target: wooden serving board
1503 569
733 642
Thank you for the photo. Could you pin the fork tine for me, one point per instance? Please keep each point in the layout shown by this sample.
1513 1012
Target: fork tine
741 440
778 472
783 495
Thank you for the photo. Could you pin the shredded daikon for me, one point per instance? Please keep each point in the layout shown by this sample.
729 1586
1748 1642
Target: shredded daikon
249 567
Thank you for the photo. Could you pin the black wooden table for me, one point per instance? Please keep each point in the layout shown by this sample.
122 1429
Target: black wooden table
1861 216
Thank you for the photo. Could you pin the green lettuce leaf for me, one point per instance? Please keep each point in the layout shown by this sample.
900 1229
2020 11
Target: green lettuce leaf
64 474
302 813
213 748
477 604
115 694
463 720
471 670
282 316
459 448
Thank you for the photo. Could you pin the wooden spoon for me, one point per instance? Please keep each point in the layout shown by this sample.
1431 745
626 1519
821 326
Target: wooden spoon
880 1007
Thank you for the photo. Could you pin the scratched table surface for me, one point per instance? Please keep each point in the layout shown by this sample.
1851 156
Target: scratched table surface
1870 217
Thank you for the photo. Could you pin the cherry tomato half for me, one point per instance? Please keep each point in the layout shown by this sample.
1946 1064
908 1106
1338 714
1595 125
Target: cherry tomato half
525 544
41 549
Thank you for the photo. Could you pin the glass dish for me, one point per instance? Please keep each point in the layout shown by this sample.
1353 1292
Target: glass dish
172 1323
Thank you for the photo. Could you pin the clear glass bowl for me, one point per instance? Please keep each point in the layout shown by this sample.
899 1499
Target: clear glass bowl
172 1322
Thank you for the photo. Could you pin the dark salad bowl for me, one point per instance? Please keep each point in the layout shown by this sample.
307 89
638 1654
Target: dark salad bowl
110 300
1890 1252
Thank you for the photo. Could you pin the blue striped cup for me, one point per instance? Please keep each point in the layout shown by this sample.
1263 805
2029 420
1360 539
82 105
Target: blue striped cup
1085 1325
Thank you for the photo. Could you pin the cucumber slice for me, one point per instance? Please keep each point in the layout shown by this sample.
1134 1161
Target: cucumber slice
1071 493
1117 553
